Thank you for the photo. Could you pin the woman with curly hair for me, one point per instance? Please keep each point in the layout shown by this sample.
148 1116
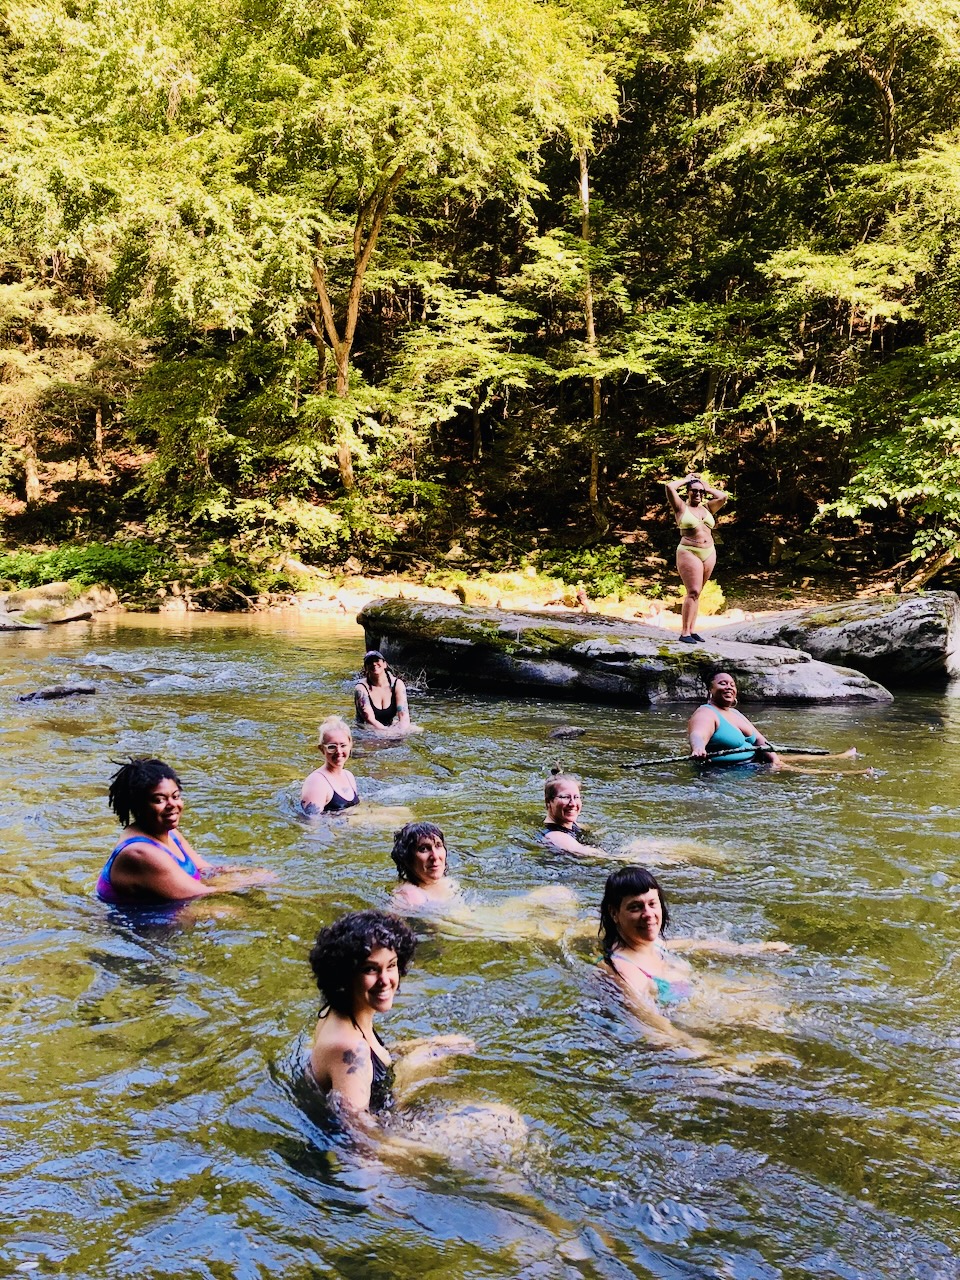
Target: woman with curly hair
154 862
358 962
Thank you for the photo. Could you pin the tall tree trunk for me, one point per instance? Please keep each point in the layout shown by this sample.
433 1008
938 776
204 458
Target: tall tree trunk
98 456
344 436
31 477
881 78
593 494
366 229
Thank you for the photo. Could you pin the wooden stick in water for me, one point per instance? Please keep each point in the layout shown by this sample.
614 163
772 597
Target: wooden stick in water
731 751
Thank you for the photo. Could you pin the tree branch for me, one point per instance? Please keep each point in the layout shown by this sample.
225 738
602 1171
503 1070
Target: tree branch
326 308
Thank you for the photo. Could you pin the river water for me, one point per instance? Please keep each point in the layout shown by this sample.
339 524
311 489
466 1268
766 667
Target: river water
149 1119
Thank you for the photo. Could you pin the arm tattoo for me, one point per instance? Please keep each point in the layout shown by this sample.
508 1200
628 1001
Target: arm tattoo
352 1060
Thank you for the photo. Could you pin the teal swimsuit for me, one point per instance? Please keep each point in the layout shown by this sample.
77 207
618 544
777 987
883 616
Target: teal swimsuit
727 736
667 992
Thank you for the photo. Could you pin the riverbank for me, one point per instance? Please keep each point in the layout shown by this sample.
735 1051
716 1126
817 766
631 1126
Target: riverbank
746 597
751 598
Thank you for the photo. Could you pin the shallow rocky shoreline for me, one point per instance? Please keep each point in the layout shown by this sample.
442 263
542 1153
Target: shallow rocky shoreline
907 639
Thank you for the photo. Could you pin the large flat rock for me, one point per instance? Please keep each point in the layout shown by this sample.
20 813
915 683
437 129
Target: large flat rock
906 639
595 659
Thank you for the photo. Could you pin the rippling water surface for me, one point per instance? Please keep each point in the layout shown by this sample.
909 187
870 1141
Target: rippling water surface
149 1122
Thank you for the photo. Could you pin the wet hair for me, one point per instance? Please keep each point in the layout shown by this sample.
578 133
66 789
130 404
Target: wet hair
625 883
342 947
713 673
557 779
132 783
405 843
333 724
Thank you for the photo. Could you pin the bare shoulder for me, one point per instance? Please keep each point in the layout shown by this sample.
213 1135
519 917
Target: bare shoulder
143 854
704 715
337 1048
408 895
316 786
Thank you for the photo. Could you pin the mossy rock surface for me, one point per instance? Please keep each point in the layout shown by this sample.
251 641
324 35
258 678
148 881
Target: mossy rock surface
598 659
907 639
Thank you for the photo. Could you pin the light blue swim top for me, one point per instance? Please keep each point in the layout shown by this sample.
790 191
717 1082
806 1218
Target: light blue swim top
727 736
668 992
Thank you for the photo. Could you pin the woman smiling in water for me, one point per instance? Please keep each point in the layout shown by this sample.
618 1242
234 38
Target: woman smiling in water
633 919
154 862
380 699
331 788
717 726
420 855
358 963
561 796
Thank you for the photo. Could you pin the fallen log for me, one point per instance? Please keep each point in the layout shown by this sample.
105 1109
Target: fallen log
58 691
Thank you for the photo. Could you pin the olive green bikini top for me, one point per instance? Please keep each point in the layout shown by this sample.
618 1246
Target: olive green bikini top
690 520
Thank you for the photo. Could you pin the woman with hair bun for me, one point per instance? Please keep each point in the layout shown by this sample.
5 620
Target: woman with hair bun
154 862
331 788
561 796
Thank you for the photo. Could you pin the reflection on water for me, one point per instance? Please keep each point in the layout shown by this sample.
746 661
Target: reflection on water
149 1117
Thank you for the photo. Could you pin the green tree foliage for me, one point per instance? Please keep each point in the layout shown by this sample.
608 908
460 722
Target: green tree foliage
364 271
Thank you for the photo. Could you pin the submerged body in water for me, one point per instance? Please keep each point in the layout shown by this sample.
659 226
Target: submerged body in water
420 856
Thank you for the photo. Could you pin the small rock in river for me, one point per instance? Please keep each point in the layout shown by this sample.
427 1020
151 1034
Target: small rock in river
566 731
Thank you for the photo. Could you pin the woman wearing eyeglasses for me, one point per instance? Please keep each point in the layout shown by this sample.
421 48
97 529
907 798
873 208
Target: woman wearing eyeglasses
561 796
331 788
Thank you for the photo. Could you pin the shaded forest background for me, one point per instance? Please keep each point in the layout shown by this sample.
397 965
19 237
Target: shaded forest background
377 279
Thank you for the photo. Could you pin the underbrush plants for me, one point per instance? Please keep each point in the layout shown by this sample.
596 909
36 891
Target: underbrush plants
124 565
600 569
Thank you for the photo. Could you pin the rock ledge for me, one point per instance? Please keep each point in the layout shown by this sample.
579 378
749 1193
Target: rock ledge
594 660
907 639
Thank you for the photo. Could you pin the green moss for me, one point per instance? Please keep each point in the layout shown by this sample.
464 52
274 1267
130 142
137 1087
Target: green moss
408 619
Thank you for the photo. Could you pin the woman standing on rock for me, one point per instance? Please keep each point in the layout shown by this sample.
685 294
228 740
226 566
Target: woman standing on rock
696 553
